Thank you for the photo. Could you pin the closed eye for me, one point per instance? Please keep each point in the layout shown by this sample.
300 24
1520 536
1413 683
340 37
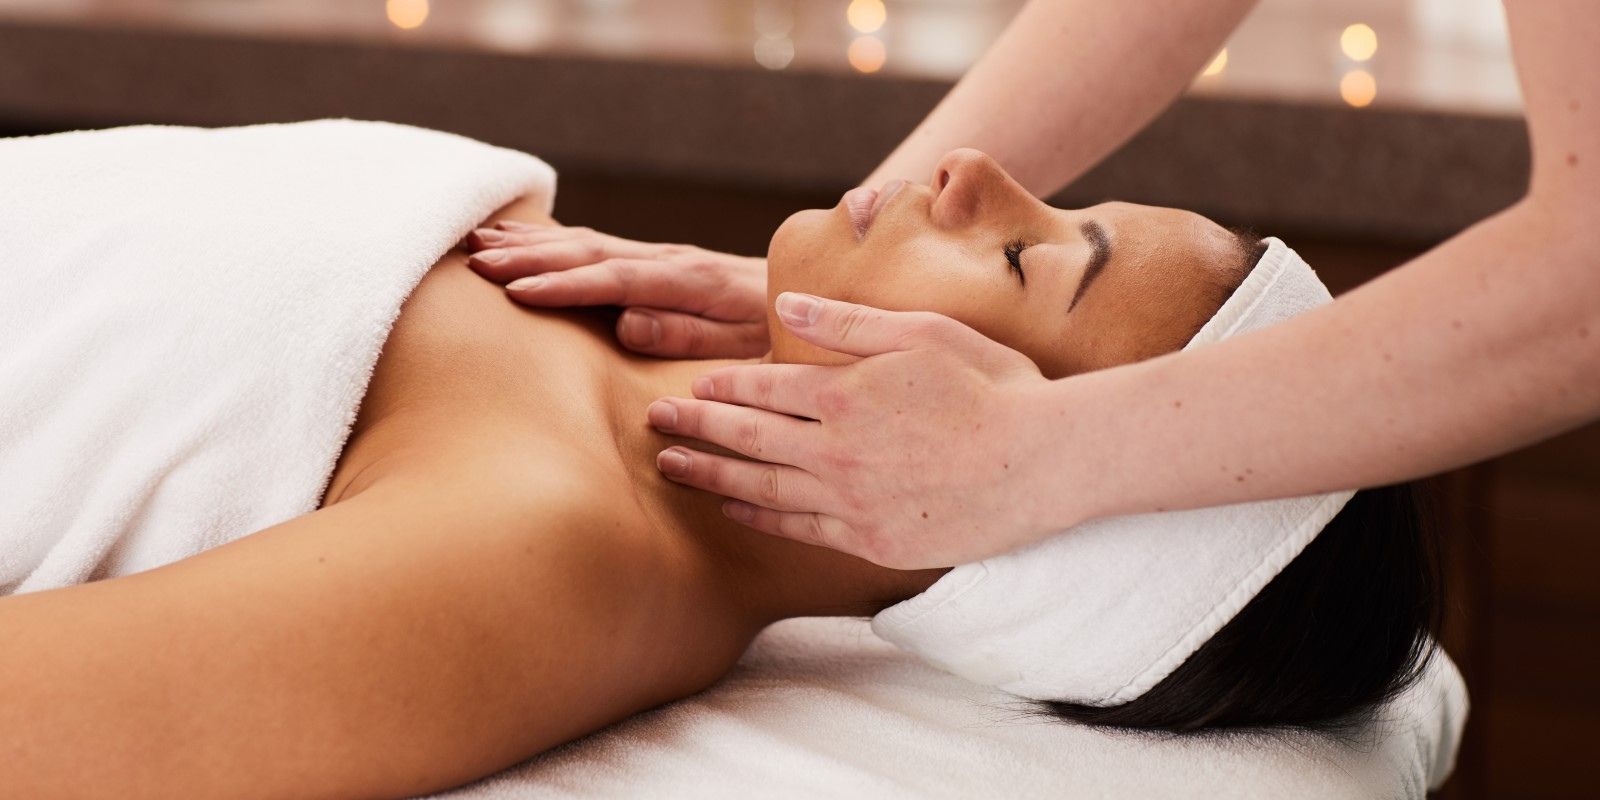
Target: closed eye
1013 251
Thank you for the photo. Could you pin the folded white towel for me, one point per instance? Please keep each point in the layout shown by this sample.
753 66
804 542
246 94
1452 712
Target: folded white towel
189 318
1100 613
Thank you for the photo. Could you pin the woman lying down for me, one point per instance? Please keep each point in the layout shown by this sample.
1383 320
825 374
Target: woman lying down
496 566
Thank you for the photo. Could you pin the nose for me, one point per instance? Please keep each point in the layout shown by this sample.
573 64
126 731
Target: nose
968 183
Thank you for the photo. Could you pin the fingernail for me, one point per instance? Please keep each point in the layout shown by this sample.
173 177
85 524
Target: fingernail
489 256
673 461
640 329
701 387
663 415
490 237
513 225
738 511
798 310
526 284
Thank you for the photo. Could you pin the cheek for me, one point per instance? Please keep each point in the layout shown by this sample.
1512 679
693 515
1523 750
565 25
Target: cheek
899 271
974 286
919 273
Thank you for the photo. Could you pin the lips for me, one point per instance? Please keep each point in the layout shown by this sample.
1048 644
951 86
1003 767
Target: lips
863 204
858 204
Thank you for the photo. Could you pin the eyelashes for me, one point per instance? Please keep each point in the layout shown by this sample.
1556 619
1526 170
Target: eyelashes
1013 251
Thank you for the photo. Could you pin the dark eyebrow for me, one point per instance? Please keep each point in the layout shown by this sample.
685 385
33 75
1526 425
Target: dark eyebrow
1097 259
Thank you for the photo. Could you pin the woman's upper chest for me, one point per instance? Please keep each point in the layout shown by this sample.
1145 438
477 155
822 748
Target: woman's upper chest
464 369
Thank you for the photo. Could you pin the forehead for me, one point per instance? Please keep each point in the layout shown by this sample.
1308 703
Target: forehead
1170 244
1164 279
1155 227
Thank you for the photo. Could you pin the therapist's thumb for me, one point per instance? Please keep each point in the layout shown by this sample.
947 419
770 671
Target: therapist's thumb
669 334
860 330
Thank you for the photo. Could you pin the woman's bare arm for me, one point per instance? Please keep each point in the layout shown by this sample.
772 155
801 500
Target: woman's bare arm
413 637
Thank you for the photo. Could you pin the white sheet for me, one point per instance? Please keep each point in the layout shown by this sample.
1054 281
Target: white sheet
823 708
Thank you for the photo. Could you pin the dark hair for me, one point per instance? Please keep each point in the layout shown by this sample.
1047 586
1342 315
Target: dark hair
1344 627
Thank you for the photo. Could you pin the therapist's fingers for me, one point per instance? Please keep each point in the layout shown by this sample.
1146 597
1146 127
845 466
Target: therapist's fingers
513 261
809 527
750 431
485 238
795 389
773 486
491 238
519 225
643 282
860 330
614 281
670 334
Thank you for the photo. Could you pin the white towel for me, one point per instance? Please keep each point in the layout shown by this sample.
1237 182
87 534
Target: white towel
189 319
1100 613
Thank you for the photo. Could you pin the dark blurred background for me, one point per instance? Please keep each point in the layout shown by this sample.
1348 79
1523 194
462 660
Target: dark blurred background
1362 132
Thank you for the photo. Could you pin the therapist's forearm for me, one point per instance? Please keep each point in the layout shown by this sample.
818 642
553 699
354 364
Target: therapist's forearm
1485 344
1068 82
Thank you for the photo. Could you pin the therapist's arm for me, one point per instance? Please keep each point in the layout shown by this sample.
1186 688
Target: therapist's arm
1067 83
1484 344
1487 343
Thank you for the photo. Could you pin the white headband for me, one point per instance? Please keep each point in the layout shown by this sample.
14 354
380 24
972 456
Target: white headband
1100 613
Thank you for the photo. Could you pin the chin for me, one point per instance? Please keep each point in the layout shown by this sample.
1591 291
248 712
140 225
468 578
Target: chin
801 248
805 244
802 231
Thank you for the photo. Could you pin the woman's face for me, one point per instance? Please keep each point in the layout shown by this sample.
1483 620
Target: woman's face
1075 290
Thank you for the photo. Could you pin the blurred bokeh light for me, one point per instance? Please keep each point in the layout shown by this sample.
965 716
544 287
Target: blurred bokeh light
1358 88
867 54
1359 42
407 14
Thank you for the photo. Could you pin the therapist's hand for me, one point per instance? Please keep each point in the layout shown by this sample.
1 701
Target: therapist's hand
680 301
910 457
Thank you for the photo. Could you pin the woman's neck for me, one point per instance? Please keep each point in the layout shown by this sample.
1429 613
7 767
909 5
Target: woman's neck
562 374
775 577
